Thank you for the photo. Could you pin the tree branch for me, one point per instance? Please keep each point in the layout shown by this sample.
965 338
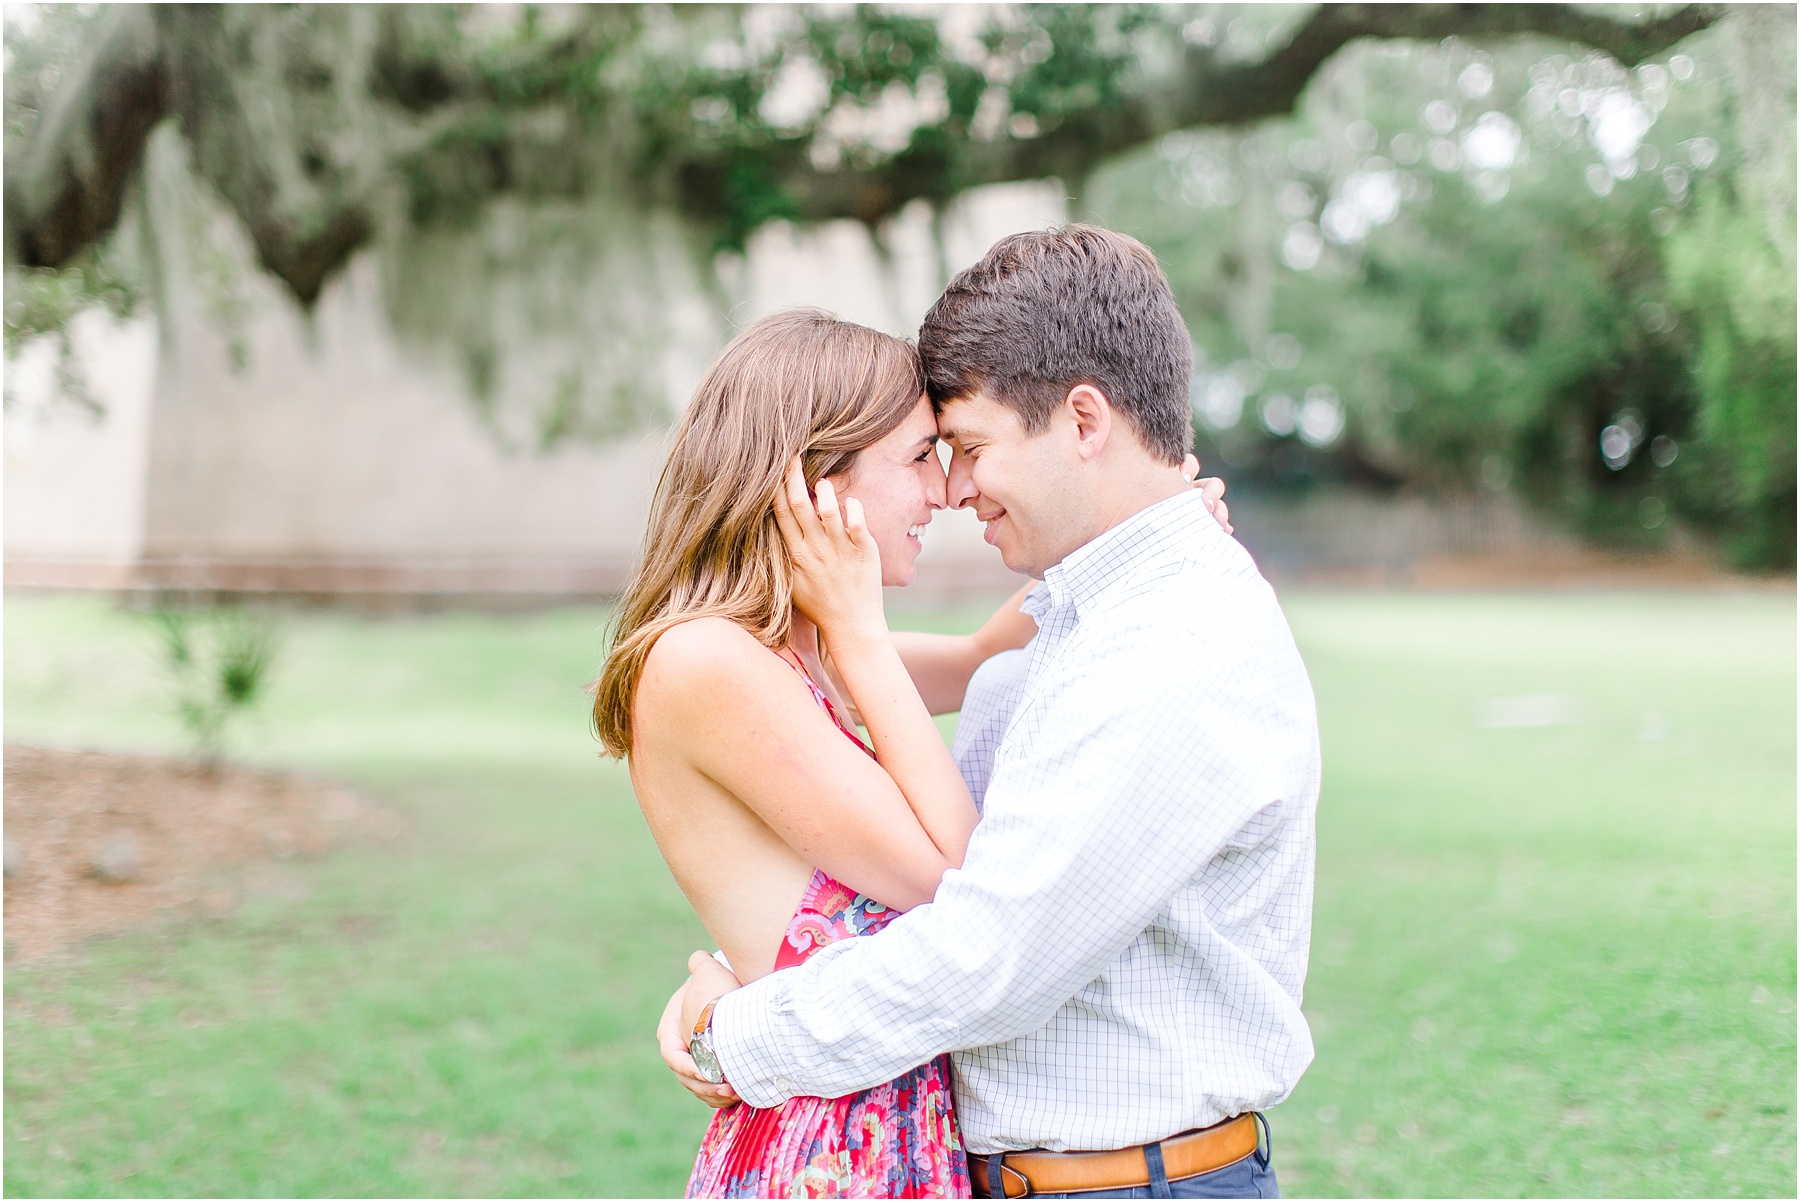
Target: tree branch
257 95
306 205
1227 95
1205 92
64 189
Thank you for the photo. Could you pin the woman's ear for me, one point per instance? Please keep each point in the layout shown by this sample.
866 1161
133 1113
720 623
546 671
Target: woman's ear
1091 414
843 483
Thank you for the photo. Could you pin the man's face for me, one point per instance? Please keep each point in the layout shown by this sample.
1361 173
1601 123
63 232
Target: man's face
1020 485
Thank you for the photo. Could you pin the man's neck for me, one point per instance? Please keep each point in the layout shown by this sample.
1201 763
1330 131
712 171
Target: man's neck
1135 493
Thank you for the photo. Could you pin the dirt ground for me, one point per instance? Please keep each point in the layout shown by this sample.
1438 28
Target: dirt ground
98 843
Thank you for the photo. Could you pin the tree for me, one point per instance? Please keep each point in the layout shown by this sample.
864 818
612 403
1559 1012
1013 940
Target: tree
1450 342
1500 272
305 118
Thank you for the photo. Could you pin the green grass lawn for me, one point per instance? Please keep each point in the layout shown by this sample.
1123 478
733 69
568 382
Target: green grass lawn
1554 960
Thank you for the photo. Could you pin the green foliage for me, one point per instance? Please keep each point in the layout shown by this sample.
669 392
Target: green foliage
218 661
712 110
43 44
1546 962
39 53
41 302
1735 289
1490 328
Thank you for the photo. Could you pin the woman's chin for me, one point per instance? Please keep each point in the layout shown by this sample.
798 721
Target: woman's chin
898 569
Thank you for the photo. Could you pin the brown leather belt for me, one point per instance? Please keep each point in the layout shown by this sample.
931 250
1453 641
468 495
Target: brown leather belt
1186 1155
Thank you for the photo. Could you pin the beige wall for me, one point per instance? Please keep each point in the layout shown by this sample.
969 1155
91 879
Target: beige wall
332 459
332 445
75 481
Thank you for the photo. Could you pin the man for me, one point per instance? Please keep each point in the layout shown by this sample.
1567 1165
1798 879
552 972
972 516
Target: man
1117 966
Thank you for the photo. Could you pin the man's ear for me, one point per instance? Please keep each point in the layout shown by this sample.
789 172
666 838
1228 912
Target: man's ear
1092 417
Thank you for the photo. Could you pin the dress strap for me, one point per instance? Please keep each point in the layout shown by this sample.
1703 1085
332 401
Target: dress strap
823 700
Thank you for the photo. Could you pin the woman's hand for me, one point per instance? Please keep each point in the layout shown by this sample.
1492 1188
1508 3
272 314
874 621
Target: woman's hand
837 583
836 565
1212 489
672 1035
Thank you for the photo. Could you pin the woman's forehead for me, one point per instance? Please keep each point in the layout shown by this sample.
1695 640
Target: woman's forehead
921 423
915 432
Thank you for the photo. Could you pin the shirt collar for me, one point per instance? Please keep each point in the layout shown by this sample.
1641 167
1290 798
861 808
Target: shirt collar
1157 533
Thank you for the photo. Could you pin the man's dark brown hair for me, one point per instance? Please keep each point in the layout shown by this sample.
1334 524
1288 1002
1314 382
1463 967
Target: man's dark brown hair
1045 311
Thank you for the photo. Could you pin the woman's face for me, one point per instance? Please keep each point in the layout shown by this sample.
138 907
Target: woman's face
900 484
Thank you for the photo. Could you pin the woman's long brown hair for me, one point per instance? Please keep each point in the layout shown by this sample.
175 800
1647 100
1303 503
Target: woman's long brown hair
797 383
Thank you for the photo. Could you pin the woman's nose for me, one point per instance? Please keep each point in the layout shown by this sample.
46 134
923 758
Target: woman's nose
936 486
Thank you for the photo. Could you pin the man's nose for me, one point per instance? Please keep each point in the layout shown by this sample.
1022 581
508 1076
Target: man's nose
960 491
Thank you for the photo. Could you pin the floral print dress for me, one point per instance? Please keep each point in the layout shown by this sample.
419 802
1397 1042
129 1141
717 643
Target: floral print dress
897 1140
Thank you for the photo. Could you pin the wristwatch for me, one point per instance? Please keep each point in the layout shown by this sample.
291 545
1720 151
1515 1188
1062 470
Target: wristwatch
700 1047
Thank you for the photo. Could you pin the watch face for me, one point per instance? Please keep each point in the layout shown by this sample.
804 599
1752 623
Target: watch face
706 1061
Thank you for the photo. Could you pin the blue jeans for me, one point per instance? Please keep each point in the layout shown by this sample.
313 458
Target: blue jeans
1251 1177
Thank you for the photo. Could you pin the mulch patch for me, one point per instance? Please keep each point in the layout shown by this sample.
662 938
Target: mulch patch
1572 568
1578 567
99 843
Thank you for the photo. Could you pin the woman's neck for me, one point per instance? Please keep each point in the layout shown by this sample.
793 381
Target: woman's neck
803 641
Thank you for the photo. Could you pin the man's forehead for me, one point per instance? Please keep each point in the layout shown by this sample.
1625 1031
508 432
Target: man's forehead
973 415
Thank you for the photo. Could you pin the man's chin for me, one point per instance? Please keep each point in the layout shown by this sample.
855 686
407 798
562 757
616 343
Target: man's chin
1016 562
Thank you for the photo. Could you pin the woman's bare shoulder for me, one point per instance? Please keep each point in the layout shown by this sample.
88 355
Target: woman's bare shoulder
704 658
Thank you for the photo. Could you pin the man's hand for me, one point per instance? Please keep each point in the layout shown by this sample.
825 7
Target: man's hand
1212 489
709 982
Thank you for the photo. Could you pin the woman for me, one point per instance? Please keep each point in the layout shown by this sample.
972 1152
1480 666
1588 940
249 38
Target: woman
782 828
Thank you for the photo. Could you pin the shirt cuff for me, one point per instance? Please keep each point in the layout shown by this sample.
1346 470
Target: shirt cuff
747 1040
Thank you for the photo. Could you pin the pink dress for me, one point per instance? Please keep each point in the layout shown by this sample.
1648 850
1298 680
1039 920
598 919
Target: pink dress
897 1140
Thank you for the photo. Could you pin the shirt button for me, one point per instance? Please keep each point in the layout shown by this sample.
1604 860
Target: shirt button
785 1086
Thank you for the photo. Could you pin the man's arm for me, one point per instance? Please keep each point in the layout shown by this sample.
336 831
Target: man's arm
1073 860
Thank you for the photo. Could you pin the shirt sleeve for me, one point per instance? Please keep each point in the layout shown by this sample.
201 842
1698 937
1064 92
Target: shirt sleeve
1138 767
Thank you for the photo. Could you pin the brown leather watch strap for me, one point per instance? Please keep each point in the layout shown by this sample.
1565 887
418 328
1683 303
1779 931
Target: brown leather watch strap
703 1021
1187 1155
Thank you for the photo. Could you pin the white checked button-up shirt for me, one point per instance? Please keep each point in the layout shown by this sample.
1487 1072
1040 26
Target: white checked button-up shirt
988 704
1121 956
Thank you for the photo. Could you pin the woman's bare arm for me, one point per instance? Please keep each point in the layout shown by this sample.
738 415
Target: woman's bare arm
941 664
837 583
735 712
